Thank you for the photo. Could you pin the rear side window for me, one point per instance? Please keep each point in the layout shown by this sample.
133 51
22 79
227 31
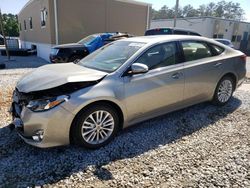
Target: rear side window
180 32
158 56
217 49
162 31
195 50
195 34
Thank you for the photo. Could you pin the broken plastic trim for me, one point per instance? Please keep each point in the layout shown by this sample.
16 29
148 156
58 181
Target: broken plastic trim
65 89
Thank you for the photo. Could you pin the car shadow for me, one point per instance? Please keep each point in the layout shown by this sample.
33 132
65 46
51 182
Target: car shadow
24 165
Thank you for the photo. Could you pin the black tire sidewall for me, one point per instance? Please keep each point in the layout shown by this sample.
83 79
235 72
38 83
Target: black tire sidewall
216 101
77 127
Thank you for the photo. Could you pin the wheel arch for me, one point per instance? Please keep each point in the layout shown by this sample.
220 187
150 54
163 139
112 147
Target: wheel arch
233 76
230 74
117 108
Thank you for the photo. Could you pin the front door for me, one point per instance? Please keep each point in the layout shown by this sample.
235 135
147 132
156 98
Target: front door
158 90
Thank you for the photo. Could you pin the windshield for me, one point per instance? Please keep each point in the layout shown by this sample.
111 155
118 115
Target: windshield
112 56
87 40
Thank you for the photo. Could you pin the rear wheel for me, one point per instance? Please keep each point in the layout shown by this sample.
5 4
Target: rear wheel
96 126
224 91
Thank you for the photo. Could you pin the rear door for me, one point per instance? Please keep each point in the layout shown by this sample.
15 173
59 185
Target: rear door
202 69
160 88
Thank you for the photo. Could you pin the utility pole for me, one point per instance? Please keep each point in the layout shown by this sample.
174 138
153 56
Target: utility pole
176 12
4 37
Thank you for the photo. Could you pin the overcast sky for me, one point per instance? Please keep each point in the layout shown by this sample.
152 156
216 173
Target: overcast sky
14 6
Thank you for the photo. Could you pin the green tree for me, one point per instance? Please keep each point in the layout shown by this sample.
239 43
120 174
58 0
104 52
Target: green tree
222 9
10 24
189 11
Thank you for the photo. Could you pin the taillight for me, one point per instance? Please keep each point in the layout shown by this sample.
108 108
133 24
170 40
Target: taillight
243 58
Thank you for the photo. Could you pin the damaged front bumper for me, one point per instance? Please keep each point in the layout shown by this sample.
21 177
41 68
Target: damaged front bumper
42 129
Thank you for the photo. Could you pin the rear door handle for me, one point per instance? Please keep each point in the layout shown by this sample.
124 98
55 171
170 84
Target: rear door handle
218 64
176 75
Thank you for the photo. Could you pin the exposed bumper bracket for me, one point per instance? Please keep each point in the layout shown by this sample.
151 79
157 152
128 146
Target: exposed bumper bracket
16 124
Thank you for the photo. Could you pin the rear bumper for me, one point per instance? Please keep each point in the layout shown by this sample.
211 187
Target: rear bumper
44 129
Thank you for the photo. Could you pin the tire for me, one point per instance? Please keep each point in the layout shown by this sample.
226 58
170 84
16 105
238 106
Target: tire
75 59
84 126
224 91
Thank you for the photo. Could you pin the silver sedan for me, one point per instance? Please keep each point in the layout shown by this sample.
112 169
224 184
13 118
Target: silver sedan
123 83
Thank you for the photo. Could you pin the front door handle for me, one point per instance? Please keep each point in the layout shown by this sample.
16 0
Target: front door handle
218 64
176 75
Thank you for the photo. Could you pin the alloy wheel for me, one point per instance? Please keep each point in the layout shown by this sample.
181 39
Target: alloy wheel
97 127
225 91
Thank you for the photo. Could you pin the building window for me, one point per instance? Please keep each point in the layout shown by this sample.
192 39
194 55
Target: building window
238 38
43 17
20 26
24 25
220 36
31 24
233 38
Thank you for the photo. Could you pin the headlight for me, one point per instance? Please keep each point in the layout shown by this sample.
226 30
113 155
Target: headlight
46 104
54 51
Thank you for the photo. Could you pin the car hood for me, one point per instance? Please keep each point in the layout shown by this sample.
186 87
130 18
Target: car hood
51 76
70 45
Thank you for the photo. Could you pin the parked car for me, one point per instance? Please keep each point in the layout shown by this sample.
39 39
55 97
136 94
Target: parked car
225 42
1 40
75 51
123 83
170 31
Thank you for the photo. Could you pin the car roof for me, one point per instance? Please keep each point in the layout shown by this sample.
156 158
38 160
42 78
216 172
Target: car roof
165 38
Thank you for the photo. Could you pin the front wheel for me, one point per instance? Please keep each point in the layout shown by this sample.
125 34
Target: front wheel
224 91
95 126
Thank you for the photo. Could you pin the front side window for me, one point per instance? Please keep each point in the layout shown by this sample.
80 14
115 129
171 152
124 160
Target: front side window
110 57
159 56
43 17
195 50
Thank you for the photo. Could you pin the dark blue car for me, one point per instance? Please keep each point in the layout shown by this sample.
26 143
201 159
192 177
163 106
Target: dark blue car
73 52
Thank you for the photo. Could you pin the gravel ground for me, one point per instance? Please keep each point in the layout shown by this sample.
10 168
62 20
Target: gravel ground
200 146
17 62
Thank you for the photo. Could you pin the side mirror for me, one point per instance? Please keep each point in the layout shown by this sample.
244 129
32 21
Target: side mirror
138 68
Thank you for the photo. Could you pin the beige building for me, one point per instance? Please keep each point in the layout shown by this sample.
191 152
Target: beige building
212 27
44 23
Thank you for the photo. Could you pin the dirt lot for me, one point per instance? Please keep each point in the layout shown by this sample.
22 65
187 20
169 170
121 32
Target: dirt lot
200 146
